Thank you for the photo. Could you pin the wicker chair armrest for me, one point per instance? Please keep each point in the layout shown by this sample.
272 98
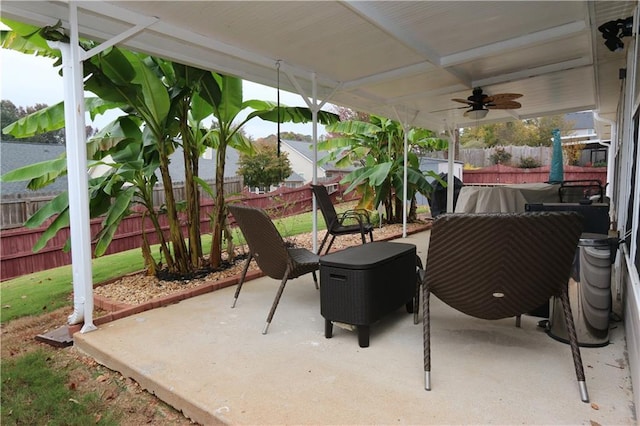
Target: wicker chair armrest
361 215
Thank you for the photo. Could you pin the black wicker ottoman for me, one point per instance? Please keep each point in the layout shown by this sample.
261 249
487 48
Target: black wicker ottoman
361 284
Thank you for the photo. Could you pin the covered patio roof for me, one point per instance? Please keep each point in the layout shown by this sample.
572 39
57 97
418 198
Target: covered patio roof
399 59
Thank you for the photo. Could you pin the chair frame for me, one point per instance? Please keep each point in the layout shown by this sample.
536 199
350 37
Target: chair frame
335 222
271 253
495 266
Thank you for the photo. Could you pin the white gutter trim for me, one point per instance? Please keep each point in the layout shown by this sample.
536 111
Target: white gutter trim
610 154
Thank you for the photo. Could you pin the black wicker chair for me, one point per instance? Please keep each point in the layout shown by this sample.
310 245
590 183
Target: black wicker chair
272 255
336 222
495 266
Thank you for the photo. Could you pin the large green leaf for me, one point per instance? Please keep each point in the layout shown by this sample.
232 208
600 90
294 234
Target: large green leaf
116 66
231 99
60 222
44 120
53 207
200 108
205 186
268 111
210 90
353 128
119 210
154 94
25 38
52 118
32 171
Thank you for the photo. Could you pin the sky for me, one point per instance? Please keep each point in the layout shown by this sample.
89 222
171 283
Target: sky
27 80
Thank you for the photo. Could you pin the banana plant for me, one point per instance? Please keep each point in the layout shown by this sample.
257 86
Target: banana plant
227 133
169 102
377 147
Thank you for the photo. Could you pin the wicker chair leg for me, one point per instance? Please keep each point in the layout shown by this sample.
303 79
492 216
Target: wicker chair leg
363 235
324 240
573 341
426 336
315 280
333 237
419 279
276 301
244 274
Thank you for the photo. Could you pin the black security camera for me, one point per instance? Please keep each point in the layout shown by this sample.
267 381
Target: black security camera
613 31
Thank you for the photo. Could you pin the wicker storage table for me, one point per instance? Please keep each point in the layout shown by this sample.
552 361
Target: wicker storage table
361 284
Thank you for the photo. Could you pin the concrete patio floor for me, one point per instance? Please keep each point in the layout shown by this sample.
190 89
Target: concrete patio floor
213 363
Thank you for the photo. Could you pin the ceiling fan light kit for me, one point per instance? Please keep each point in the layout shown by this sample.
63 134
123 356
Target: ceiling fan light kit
476 114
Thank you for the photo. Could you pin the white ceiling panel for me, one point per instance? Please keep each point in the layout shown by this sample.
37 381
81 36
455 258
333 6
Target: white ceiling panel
384 56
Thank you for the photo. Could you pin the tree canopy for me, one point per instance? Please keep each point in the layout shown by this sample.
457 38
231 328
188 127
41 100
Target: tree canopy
532 132
265 168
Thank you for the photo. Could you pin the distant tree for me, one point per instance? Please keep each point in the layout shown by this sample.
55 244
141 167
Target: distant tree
531 132
292 136
264 168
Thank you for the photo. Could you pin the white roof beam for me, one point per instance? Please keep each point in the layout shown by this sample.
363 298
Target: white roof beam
388 75
437 92
368 11
533 72
514 43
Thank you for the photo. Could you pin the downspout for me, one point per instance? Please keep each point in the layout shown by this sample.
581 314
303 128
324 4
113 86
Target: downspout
78 185
610 151
78 180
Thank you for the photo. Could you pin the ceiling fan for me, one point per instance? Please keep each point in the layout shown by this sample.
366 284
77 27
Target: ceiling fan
481 103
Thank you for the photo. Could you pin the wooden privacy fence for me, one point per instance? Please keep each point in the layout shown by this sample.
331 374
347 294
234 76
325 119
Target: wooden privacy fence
500 174
15 209
17 257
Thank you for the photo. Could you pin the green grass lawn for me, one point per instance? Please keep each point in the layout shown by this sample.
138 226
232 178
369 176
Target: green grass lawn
34 392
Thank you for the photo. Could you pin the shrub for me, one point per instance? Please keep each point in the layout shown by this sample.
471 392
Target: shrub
500 156
529 163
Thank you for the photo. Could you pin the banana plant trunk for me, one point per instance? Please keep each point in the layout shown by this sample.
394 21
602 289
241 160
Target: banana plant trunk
219 216
180 255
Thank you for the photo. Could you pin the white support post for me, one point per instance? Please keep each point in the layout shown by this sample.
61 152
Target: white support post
450 161
314 121
77 177
314 106
405 183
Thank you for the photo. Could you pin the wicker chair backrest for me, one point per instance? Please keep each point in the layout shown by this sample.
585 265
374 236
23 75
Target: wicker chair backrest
264 240
326 206
495 266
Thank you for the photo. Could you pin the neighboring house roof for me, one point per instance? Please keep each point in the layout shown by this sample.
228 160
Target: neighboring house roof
582 120
19 154
294 177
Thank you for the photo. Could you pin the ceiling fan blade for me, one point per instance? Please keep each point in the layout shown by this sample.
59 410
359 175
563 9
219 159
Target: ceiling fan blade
463 101
504 105
501 97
